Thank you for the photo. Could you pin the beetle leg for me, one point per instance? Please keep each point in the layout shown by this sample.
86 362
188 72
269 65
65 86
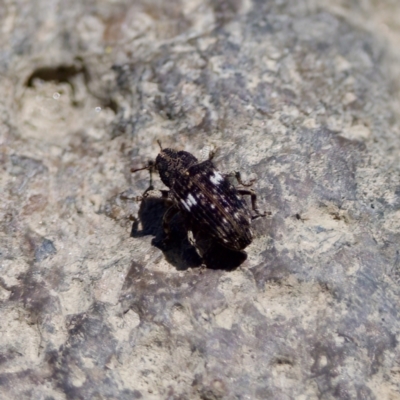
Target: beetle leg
253 196
155 194
238 177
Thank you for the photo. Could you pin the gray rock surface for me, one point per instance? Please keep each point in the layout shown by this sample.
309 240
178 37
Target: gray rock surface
302 95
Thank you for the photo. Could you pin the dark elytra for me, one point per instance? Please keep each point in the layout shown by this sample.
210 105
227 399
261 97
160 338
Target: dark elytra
209 203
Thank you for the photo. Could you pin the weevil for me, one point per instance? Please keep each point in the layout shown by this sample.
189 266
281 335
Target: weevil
207 200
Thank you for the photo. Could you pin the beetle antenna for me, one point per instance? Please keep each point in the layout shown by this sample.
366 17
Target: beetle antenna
149 167
159 143
139 169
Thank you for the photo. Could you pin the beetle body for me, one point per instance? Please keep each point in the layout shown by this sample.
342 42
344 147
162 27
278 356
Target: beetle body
206 198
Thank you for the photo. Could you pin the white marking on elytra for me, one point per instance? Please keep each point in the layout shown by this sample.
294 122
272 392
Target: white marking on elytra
191 201
212 206
224 220
216 178
185 205
191 238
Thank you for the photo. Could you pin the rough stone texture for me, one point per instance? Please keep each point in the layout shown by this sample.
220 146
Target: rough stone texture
303 95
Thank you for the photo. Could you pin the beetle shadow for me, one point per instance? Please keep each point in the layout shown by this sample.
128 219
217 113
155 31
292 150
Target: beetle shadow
177 250
215 255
